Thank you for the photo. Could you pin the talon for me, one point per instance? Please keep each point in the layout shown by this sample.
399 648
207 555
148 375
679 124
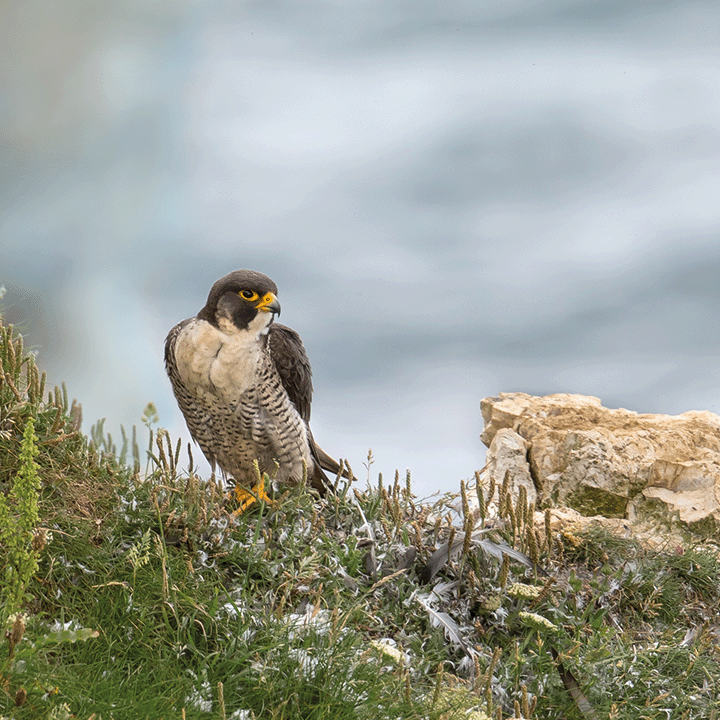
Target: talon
246 498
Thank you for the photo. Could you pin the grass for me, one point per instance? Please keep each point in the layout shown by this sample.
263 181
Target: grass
152 599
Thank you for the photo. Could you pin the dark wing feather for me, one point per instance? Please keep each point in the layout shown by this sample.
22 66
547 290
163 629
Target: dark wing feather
288 354
293 366
184 396
170 345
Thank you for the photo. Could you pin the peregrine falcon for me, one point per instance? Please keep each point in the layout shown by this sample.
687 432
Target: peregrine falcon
243 383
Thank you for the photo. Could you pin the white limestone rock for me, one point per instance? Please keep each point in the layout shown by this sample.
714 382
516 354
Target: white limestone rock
615 463
508 454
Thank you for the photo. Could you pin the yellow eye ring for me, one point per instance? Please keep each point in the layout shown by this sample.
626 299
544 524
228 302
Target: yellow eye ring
249 295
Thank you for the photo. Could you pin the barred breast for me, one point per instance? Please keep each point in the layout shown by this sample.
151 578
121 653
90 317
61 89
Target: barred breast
234 402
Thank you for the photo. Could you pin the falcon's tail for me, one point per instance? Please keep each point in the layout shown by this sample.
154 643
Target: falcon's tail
323 461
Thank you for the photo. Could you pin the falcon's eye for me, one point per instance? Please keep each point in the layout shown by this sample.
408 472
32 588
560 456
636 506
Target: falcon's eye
249 294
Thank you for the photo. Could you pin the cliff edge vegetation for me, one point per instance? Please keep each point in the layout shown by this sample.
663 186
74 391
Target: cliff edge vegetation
131 588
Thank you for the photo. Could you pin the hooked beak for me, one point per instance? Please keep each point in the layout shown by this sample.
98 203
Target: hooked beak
269 303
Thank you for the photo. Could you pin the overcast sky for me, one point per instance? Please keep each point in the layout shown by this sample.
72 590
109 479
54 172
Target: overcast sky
455 199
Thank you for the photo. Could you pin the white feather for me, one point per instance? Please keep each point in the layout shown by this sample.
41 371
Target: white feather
449 626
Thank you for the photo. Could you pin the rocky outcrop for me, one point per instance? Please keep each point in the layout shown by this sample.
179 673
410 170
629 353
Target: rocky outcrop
508 454
600 461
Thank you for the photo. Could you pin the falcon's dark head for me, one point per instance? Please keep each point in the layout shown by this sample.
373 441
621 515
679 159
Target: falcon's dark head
242 300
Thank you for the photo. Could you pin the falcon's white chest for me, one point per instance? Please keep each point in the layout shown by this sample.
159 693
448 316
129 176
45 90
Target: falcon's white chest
222 364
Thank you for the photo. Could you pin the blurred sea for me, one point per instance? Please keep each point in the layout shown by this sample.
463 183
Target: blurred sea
455 199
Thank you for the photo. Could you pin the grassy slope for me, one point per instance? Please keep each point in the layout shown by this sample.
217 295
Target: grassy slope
151 599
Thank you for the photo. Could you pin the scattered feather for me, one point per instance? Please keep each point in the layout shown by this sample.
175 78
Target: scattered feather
450 628
494 549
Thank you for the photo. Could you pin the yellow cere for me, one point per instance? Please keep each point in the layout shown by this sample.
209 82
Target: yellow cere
267 300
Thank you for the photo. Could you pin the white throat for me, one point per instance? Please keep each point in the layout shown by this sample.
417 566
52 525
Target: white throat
260 325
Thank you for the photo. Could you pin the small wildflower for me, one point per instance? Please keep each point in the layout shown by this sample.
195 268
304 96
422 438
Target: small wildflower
478 715
523 591
388 648
537 621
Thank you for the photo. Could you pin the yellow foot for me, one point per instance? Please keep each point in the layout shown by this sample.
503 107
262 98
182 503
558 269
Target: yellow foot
247 497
